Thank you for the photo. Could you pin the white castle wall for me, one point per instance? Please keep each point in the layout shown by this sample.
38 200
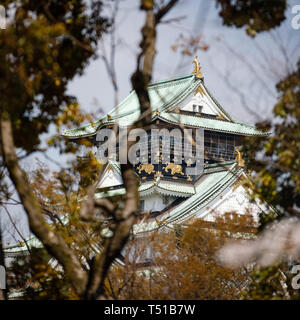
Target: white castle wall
156 202
232 200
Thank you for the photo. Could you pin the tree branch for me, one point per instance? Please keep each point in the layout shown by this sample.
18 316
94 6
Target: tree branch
164 10
52 241
127 218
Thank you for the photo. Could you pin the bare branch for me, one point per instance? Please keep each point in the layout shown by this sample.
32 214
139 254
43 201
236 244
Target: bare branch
126 218
16 228
164 10
52 241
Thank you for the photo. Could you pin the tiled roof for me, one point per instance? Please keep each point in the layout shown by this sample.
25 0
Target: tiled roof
149 187
211 124
164 96
167 188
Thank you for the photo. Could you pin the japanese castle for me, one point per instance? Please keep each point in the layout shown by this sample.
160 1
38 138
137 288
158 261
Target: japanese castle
168 195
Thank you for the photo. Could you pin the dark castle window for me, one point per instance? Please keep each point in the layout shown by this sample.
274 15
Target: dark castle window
197 108
220 146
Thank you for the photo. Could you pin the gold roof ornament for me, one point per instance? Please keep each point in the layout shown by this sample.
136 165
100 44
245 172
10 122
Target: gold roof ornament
175 168
147 167
160 223
158 174
239 158
197 68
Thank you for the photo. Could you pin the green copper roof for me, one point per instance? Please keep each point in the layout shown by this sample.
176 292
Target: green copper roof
171 188
211 124
164 96
32 242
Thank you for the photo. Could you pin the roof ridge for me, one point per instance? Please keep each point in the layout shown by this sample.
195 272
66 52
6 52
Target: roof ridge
209 124
216 102
171 80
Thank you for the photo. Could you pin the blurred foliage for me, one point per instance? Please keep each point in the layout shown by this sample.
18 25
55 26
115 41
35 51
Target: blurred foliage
183 264
46 44
60 194
275 160
272 283
32 276
189 45
256 15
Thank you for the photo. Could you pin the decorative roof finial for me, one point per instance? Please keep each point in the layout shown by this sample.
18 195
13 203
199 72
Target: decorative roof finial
160 222
239 158
197 68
